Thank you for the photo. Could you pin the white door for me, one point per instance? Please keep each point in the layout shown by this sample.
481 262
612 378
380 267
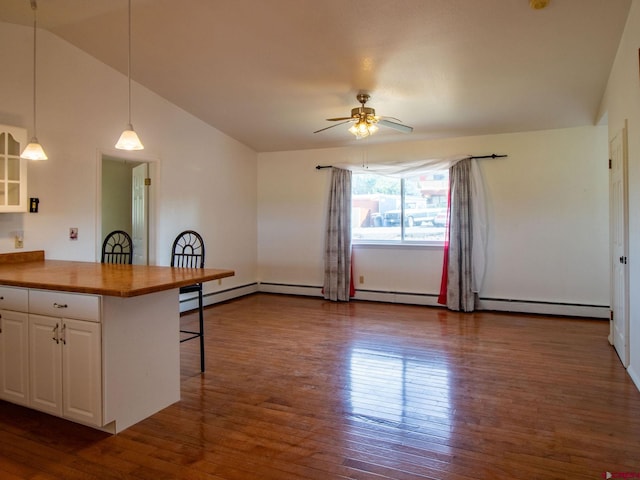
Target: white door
619 231
14 357
45 363
139 207
81 371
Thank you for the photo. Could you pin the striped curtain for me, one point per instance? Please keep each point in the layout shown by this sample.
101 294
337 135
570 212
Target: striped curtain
337 253
459 282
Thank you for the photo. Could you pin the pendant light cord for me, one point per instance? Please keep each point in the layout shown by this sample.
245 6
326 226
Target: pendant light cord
34 7
129 63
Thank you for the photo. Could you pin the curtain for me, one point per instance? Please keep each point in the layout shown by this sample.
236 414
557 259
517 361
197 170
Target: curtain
465 243
442 297
337 254
464 268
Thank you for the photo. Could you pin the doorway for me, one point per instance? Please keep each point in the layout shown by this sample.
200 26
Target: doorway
124 188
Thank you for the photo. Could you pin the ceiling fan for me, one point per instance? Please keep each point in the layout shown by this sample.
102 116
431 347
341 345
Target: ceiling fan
365 121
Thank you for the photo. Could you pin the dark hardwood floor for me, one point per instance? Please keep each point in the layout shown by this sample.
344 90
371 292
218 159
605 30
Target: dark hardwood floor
302 388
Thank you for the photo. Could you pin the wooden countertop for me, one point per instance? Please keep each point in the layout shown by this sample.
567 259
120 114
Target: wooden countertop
34 271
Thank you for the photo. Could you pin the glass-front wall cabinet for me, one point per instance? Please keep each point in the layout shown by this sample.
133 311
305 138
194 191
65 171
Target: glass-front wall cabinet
13 169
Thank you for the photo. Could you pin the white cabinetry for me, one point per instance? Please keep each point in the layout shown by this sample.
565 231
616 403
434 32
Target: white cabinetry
13 169
103 361
65 355
14 345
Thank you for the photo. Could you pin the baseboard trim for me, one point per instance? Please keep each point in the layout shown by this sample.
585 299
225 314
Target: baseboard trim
634 376
544 308
211 298
290 289
428 299
409 298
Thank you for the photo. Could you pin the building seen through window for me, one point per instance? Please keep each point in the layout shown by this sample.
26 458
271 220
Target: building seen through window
399 210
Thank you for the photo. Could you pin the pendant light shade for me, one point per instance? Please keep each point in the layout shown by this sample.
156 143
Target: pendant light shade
129 138
34 151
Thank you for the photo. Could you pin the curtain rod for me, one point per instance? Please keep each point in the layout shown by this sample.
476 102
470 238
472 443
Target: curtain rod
493 155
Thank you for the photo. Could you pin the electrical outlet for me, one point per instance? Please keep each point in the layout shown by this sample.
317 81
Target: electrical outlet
361 280
73 233
219 281
18 239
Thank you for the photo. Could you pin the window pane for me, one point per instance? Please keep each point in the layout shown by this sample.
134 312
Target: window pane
13 147
13 194
372 197
379 214
425 203
13 169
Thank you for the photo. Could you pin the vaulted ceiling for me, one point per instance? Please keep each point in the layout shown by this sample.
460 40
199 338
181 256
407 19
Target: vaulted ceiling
268 73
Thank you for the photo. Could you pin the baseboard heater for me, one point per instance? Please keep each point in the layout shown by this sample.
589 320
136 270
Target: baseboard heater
427 299
188 303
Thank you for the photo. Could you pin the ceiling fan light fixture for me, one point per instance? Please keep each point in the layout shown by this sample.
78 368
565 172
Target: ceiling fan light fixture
364 120
34 151
363 129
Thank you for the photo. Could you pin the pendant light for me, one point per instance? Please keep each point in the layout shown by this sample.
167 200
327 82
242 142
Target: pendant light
129 139
34 151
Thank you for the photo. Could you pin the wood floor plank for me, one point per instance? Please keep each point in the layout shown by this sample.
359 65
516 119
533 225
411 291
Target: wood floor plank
301 388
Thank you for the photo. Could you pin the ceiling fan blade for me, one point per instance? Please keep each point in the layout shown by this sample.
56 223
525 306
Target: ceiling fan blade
338 119
393 119
397 126
331 126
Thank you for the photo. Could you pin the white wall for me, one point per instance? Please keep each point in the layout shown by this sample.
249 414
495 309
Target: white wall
205 179
622 101
548 218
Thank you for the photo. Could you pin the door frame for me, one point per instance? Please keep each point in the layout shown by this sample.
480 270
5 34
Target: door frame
154 175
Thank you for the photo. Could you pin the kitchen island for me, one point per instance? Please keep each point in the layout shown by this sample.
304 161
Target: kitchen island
94 343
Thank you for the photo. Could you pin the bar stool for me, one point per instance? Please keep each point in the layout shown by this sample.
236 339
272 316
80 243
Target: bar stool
117 248
188 252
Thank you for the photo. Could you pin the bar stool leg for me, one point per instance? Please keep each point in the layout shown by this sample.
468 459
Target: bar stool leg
201 318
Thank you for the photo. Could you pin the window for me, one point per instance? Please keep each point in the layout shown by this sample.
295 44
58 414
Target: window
399 210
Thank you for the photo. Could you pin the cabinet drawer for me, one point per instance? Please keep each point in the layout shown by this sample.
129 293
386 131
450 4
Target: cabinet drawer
64 304
14 298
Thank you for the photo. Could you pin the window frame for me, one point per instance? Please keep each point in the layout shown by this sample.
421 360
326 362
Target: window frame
402 242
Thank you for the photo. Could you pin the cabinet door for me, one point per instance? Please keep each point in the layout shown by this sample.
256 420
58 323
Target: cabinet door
45 363
14 357
13 169
82 371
